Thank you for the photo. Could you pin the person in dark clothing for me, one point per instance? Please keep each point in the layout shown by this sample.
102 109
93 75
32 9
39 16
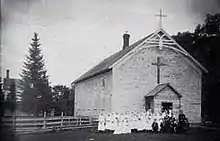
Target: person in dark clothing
183 124
155 126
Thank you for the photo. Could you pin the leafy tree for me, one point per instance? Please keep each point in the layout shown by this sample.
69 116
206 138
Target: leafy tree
204 45
36 92
63 100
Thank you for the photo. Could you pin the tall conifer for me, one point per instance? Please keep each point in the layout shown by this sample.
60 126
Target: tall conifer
36 92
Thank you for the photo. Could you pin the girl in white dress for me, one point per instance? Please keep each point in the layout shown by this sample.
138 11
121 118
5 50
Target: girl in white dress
101 124
118 124
125 125
140 122
108 122
112 122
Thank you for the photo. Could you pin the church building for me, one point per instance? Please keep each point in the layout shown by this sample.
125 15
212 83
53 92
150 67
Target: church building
153 73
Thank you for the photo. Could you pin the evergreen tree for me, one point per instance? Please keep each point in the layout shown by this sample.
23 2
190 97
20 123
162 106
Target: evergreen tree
36 92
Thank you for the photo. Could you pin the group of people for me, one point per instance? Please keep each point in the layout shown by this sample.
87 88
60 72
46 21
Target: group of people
137 121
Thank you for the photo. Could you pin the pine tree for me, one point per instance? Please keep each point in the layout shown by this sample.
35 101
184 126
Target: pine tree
36 92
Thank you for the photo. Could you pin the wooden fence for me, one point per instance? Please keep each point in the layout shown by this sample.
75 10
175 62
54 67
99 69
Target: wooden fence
32 124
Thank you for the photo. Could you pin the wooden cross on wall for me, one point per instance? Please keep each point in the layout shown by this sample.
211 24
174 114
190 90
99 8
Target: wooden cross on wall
158 64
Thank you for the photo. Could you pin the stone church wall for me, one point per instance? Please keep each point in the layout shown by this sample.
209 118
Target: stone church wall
93 95
167 95
135 76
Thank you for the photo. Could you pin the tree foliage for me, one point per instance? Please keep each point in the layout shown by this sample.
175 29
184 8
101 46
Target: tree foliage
36 92
204 45
63 100
11 98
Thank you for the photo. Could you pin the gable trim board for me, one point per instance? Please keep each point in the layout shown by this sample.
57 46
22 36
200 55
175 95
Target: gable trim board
108 63
161 87
179 49
127 56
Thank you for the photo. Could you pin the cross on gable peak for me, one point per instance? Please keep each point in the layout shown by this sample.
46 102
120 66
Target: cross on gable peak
161 15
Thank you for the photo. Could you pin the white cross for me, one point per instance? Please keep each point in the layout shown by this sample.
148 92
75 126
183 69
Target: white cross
161 15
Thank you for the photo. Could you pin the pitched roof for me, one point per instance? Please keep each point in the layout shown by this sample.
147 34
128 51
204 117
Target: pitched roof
161 87
104 65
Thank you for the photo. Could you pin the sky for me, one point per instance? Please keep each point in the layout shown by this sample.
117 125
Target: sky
75 35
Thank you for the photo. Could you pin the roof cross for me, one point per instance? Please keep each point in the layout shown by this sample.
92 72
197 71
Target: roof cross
161 15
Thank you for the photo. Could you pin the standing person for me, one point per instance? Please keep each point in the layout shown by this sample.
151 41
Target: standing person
101 124
164 114
131 120
108 123
116 117
140 122
145 121
127 125
112 122
135 122
148 127
183 123
118 127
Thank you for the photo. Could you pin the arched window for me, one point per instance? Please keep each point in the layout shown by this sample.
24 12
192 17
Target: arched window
103 82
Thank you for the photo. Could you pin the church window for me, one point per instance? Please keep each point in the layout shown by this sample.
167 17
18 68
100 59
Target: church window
103 82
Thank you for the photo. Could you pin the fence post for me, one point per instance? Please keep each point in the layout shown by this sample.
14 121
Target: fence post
79 122
69 121
13 120
44 122
90 120
61 125
76 121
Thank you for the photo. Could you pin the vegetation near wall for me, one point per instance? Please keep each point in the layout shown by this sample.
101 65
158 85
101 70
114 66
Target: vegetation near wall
204 45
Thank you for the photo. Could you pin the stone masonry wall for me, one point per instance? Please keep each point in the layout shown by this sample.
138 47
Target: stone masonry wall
167 95
93 95
135 76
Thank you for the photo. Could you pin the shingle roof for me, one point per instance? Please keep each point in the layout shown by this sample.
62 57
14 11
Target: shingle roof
161 87
106 63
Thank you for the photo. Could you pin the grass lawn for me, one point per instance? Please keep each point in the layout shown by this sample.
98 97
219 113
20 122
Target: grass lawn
194 134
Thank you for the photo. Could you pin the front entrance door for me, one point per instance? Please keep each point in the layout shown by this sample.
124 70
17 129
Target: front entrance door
166 106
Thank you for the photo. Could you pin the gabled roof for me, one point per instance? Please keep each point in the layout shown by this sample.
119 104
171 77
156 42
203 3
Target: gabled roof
161 87
106 64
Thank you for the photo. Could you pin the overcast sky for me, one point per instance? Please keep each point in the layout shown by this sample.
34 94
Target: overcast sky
77 34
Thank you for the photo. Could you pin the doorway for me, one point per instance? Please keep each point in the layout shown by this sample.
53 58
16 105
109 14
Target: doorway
166 106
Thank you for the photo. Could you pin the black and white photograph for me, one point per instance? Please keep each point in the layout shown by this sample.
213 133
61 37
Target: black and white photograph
110 70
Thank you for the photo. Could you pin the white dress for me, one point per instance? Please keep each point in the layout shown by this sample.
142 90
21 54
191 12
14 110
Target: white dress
140 122
101 124
149 123
131 121
125 126
145 121
112 122
135 122
107 122
118 127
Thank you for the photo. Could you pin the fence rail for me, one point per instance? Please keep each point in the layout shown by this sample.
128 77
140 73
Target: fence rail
32 124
